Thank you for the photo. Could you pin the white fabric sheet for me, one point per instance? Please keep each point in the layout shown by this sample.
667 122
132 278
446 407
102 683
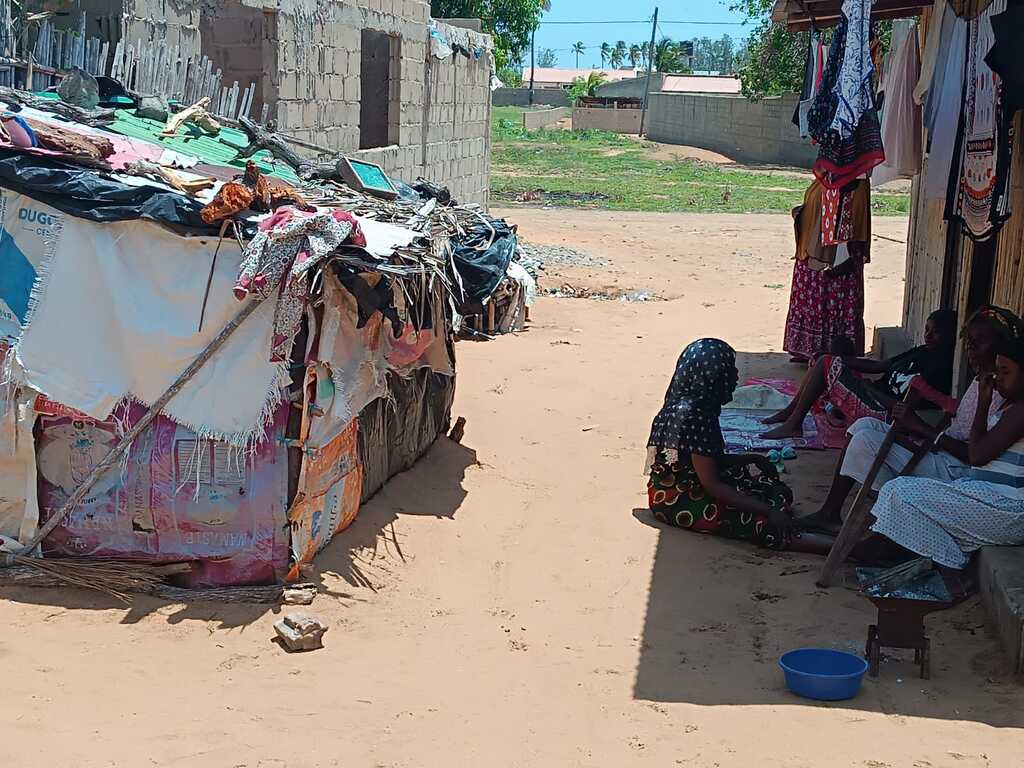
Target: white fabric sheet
116 312
19 505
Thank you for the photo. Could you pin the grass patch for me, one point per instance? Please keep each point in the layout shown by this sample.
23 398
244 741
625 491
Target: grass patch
595 169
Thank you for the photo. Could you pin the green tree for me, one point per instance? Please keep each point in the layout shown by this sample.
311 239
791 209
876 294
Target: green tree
606 53
619 53
668 57
547 58
771 61
579 49
586 86
511 22
635 55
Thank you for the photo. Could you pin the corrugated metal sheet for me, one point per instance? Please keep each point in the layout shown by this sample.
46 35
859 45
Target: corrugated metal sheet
215 150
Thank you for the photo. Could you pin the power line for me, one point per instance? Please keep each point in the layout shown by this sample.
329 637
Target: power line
648 21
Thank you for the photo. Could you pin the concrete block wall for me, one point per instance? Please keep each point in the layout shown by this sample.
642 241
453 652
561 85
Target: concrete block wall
746 131
606 119
310 57
520 97
534 120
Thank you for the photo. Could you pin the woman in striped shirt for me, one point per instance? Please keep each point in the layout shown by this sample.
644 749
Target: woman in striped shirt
948 522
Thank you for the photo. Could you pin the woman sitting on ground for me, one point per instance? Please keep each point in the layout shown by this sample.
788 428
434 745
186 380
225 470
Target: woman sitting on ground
949 521
987 329
853 397
694 483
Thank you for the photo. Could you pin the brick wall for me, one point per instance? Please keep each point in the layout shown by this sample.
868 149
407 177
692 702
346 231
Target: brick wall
310 56
606 119
520 97
534 120
747 131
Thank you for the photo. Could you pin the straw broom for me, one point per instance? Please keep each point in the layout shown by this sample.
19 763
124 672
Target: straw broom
112 577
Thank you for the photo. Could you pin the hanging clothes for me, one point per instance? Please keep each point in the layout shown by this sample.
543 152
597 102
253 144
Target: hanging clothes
853 84
940 13
979 185
814 68
1006 58
943 99
901 116
842 159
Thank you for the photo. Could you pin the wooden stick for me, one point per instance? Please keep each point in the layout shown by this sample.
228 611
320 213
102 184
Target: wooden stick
174 122
855 522
115 453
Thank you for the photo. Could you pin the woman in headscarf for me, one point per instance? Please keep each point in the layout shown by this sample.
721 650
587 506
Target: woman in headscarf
694 483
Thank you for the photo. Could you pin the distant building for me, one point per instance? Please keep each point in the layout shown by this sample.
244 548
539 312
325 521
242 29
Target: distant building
550 77
667 83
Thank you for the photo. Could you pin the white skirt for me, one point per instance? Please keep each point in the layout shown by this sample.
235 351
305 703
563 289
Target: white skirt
948 521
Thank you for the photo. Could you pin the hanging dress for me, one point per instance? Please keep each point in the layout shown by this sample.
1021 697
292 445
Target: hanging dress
979 186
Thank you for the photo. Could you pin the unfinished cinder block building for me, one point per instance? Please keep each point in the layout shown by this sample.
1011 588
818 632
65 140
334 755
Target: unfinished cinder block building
361 76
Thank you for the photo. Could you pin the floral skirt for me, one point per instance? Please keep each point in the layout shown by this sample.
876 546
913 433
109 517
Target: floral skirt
824 304
677 498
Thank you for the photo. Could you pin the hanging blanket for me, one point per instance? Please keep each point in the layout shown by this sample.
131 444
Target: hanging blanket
979 194
115 313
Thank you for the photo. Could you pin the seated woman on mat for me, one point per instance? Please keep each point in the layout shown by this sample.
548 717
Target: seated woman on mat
948 522
839 378
694 483
986 330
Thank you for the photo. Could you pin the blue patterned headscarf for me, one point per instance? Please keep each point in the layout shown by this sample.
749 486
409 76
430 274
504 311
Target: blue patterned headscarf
704 381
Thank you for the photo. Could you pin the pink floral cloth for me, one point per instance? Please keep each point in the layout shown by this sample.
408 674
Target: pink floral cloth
824 304
285 250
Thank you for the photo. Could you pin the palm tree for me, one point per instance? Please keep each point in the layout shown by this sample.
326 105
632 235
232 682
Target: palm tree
634 55
666 55
586 87
606 53
579 49
645 53
619 54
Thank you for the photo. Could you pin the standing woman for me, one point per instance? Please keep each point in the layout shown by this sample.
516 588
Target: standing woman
826 300
694 483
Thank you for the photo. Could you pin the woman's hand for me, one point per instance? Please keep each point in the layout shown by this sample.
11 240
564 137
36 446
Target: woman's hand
784 524
907 419
764 464
986 386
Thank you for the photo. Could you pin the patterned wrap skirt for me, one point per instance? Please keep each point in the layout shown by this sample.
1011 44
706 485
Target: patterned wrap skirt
677 498
822 305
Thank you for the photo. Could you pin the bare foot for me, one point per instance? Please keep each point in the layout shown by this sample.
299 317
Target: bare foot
782 432
776 418
821 522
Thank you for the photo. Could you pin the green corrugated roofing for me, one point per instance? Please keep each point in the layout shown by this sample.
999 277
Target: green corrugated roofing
191 141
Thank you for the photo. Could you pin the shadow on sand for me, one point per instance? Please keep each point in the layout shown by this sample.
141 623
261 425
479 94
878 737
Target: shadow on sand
720 613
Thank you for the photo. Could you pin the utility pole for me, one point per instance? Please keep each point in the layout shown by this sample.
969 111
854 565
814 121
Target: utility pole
533 64
650 66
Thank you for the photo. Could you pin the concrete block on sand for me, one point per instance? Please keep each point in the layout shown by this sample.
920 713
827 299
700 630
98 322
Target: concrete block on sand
301 632
1001 572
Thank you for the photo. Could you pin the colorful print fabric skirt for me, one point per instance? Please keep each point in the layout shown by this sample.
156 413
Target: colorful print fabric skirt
677 498
822 305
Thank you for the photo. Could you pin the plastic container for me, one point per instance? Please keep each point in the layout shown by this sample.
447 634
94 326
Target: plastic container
823 674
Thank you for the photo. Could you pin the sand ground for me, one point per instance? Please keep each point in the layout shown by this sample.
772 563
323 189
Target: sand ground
509 603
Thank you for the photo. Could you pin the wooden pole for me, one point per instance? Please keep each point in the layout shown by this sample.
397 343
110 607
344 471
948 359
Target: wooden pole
115 453
533 63
650 68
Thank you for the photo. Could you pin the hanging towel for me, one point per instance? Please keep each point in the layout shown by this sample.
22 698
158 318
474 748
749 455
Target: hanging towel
901 118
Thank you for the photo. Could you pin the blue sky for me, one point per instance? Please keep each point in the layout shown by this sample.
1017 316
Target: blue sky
562 37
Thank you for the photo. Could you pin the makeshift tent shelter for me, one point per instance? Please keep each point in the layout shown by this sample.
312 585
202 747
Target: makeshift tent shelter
337 370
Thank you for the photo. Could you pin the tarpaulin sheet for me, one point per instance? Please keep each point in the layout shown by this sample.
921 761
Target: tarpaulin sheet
88 195
117 314
28 233
175 498
482 257
327 501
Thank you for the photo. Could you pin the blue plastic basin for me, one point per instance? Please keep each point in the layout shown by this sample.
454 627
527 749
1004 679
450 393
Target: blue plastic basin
823 674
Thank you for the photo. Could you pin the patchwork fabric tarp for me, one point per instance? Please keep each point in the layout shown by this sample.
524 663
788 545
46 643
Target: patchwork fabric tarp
117 314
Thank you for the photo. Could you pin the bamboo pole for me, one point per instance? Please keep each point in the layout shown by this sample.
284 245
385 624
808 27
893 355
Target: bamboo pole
115 453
